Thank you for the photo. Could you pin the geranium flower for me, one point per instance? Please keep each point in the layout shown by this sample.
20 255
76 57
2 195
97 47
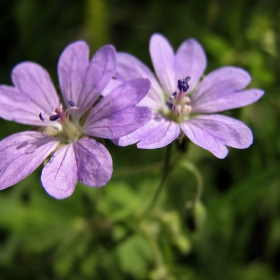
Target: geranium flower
64 134
185 104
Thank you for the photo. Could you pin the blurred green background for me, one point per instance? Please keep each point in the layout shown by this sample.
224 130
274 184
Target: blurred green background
97 233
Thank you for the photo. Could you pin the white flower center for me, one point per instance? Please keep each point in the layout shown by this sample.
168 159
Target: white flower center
64 129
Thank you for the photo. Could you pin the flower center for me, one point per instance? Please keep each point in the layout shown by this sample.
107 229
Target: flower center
66 130
178 102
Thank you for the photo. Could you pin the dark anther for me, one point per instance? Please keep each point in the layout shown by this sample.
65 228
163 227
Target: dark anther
169 105
41 117
54 117
179 84
183 84
71 103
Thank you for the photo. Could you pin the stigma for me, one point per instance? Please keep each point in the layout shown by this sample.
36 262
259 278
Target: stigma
179 102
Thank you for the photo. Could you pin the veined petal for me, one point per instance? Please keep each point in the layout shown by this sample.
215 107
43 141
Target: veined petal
72 67
33 82
126 95
120 123
129 68
227 101
213 132
163 59
218 87
111 86
99 73
59 176
157 133
190 61
149 102
81 80
15 106
21 154
94 163
160 133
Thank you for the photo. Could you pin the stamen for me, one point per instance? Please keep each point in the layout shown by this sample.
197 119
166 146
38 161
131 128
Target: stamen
41 117
169 104
178 109
178 102
183 84
54 117
71 103
186 110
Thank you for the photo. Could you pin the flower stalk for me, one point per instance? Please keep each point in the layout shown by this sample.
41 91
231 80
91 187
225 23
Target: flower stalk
165 172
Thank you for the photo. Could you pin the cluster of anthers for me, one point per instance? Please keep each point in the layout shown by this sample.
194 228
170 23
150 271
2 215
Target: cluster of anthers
67 130
178 102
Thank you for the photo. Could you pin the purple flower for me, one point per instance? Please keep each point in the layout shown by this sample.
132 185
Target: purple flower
184 103
63 137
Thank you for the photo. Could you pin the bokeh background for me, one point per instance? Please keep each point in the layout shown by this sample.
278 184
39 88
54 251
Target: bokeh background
96 233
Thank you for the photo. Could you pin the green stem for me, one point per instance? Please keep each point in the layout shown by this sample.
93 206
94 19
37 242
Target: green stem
191 167
154 245
165 173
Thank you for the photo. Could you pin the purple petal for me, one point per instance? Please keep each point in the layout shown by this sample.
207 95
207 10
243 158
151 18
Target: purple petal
222 90
81 80
33 91
124 96
59 176
120 123
213 132
72 67
15 106
228 101
94 163
111 86
190 61
129 68
163 59
158 133
21 154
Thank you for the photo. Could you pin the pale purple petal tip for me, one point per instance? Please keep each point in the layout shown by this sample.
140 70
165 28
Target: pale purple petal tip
33 93
159 135
163 59
228 101
14 106
214 132
81 80
34 82
59 176
100 71
21 154
222 90
94 163
190 61
72 66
